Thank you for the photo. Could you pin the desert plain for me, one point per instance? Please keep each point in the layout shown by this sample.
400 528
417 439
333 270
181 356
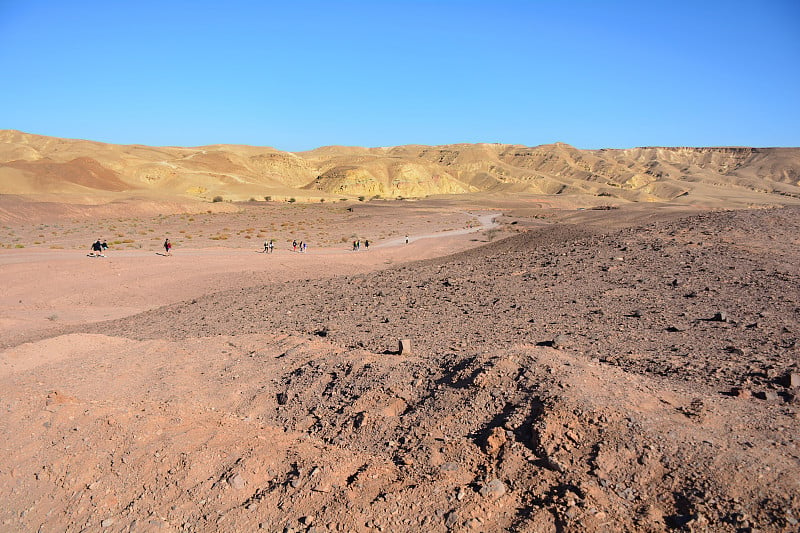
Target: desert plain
546 352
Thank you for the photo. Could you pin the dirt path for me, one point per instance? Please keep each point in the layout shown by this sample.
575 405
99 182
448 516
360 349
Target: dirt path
46 290
486 221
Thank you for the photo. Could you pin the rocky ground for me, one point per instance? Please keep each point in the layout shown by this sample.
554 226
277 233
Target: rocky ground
708 299
573 377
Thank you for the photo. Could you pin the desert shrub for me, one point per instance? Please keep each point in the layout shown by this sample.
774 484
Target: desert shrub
268 198
361 198
292 200
217 199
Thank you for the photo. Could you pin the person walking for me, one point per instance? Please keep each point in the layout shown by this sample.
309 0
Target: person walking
167 247
97 249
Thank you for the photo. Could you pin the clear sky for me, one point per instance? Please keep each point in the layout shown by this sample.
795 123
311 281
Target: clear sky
301 74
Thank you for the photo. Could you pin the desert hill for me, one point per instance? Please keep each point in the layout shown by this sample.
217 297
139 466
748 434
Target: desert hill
36 165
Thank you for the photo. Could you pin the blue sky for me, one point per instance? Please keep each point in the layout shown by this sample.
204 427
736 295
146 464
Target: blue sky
298 75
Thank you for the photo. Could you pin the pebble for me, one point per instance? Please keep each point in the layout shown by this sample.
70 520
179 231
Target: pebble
493 489
237 482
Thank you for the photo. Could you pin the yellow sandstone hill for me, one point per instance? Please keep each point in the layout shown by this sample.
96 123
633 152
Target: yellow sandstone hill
38 165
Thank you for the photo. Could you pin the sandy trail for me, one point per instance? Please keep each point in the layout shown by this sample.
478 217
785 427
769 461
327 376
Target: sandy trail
45 290
486 221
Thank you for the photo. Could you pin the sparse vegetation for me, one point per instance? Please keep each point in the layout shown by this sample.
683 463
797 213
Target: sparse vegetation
216 199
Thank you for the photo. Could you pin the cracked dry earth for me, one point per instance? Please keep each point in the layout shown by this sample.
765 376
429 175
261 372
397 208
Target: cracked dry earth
569 378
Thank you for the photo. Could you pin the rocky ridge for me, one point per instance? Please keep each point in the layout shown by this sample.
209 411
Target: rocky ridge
28 164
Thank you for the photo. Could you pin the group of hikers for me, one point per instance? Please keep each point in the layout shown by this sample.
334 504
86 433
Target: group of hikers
357 245
269 246
98 247
301 246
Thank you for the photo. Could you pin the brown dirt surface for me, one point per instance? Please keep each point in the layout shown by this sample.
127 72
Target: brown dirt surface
632 369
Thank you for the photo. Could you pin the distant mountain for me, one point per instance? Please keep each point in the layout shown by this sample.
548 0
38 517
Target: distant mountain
33 164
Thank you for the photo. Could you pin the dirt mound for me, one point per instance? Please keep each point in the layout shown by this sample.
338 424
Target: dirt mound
283 432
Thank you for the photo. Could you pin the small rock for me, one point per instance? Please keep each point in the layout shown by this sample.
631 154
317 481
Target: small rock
236 481
323 487
108 522
560 341
282 398
404 346
696 409
721 316
449 467
792 380
495 441
451 519
553 464
474 524
769 395
493 489
741 392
